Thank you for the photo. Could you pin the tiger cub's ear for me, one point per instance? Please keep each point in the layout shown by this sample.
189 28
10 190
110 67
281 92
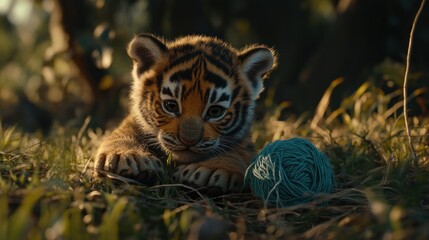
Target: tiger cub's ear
145 50
257 62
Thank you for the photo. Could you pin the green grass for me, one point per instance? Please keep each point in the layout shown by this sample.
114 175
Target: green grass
47 192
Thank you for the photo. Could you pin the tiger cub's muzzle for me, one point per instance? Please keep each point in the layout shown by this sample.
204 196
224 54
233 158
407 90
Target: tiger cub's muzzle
190 131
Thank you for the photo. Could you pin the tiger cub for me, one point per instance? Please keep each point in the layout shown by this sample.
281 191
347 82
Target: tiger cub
192 100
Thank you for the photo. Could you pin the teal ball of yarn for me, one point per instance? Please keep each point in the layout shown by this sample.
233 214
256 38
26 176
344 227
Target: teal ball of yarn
290 172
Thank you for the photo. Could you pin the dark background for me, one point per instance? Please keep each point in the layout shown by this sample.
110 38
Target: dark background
63 60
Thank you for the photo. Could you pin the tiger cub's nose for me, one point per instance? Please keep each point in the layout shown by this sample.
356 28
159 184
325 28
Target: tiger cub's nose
190 131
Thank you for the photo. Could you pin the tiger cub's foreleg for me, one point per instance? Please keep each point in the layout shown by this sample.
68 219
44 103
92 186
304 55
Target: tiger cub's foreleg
126 152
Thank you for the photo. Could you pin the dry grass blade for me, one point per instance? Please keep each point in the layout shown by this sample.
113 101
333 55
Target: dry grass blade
191 189
324 102
120 178
407 67
321 109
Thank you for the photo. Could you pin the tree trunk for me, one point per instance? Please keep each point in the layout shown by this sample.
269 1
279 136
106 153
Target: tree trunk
71 35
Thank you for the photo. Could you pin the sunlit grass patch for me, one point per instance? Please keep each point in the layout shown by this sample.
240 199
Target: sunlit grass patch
47 190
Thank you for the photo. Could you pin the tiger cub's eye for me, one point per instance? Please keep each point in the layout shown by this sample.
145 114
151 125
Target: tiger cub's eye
215 112
171 106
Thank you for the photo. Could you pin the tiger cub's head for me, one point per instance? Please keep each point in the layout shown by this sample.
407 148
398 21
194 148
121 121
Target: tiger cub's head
196 94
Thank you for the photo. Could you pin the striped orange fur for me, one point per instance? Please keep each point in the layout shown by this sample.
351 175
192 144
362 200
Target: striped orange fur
192 99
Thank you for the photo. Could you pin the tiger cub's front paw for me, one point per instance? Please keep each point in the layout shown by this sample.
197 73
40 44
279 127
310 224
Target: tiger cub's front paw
212 181
133 164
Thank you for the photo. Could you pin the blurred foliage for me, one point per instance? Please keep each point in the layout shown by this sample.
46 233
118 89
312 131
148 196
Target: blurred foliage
62 60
